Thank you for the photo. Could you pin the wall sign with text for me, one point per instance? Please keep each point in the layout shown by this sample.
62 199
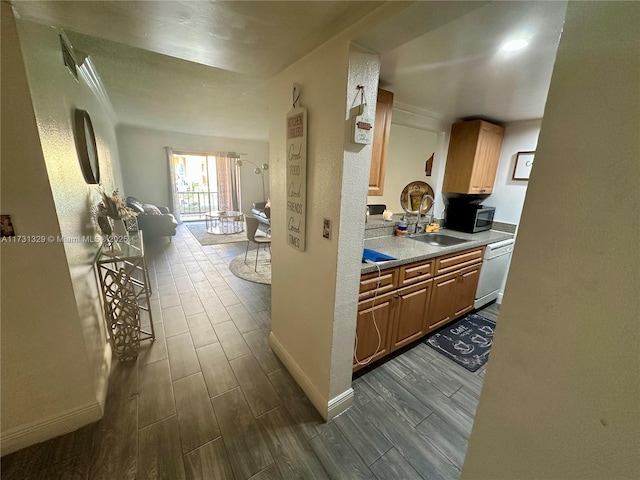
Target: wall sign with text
296 177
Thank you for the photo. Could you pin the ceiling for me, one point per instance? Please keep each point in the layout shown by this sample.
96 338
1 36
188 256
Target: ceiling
202 67
457 70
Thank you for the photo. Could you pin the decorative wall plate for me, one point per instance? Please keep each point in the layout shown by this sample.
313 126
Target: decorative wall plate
86 146
412 195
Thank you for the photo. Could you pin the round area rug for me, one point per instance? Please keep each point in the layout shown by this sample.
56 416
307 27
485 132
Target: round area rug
246 270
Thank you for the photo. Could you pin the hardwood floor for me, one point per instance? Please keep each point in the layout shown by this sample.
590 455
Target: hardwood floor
209 399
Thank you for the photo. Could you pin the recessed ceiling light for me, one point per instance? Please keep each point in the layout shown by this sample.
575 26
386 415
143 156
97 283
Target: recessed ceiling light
513 45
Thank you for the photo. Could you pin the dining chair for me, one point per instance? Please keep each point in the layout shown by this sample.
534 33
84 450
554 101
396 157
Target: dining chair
252 227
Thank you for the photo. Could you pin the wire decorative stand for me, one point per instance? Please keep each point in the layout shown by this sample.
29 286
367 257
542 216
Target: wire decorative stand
126 290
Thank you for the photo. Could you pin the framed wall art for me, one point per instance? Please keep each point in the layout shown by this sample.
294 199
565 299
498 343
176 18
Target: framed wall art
522 168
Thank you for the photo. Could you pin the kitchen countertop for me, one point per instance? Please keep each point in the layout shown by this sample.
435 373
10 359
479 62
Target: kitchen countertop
407 250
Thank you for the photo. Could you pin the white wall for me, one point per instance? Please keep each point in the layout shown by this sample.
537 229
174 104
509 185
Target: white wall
414 122
508 195
145 169
314 300
409 148
406 154
55 357
561 396
364 69
412 133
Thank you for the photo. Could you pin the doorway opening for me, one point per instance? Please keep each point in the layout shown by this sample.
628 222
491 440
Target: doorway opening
204 182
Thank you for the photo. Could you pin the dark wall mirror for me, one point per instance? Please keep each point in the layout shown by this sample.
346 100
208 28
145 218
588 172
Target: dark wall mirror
86 146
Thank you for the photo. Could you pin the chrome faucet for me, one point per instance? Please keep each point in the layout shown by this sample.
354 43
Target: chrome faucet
433 203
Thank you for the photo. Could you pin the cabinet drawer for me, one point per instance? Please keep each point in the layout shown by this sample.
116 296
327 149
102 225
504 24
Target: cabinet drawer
371 285
458 260
416 272
374 303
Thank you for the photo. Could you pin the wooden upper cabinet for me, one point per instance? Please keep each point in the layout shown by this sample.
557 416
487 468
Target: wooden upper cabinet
472 161
381 129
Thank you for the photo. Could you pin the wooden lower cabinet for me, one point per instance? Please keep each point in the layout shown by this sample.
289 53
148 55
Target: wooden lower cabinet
410 302
373 330
411 308
453 295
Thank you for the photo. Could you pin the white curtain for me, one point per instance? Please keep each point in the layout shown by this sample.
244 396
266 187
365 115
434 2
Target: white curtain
174 201
228 182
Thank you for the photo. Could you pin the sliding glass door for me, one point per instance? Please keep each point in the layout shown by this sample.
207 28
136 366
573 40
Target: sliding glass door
204 182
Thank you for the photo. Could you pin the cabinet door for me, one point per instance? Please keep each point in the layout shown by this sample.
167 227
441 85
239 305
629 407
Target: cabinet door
460 157
443 299
380 145
453 295
373 333
487 157
466 286
410 319
472 159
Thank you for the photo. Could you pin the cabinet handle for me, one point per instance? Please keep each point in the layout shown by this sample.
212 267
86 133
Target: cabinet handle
396 296
419 272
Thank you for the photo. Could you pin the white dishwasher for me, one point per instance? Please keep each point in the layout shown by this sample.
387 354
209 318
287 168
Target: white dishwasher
494 270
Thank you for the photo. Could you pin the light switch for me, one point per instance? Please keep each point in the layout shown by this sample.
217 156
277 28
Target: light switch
326 229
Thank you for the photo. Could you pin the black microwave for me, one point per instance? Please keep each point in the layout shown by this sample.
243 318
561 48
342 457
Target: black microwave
470 218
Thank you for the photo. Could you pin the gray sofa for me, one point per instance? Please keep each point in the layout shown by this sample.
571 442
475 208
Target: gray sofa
154 221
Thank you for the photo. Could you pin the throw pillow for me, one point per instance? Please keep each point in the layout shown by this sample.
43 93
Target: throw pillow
135 205
151 209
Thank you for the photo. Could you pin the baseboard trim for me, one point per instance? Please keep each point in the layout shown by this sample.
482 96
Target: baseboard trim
317 399
340 404
41 430
327 408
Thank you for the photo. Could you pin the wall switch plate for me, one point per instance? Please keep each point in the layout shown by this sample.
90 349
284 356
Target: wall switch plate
326 229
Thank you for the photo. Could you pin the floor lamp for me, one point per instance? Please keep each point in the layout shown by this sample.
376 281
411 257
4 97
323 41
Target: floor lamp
258 171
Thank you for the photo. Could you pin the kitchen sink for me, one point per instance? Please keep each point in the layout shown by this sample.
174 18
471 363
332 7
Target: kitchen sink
438 239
